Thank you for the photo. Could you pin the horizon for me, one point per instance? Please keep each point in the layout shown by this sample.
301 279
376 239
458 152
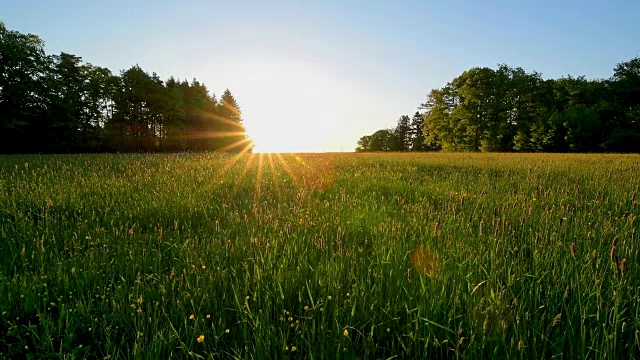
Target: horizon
323 75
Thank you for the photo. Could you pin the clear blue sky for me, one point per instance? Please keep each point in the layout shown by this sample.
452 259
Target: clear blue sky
326 73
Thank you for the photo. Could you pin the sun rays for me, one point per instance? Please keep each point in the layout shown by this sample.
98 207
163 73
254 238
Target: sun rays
275 170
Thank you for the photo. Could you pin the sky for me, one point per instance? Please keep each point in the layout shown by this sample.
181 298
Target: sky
316 76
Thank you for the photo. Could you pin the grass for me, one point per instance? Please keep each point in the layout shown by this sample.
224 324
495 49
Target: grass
319 256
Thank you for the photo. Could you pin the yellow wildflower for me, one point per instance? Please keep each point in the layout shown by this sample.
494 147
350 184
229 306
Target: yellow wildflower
200 338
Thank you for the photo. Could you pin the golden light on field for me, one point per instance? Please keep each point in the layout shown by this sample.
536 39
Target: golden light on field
310 171
425 261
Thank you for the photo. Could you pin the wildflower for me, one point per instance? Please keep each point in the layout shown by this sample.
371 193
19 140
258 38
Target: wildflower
329 297
306 308
192 317
140 300
247 298
293 348
346 332
204 267
208 316
200 338
226 331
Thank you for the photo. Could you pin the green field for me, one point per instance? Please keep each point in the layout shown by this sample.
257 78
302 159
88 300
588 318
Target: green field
320 256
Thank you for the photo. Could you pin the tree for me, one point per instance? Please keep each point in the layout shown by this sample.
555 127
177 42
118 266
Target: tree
625 86
417 134
231 131
438 125
24 68
403 134
363 143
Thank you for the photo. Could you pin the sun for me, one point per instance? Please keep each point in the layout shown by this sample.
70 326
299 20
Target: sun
282 137
289 105
273 141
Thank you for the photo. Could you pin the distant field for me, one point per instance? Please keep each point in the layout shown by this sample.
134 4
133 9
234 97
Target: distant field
320 256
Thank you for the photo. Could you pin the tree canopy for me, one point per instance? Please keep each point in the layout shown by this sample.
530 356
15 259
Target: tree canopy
57 103
509 109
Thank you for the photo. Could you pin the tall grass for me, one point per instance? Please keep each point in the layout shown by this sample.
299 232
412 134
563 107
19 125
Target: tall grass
320 256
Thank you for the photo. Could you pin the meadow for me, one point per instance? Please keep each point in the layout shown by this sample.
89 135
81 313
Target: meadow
333 256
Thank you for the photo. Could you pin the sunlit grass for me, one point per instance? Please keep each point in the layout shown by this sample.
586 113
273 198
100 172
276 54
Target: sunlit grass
330 255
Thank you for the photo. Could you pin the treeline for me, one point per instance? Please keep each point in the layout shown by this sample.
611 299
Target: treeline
408 135
508 109
58 104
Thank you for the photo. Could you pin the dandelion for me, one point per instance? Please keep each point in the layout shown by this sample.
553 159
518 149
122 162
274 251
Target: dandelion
200 338
346 332
192 317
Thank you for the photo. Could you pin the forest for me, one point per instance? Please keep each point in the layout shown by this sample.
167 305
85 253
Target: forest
510 110
59 104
